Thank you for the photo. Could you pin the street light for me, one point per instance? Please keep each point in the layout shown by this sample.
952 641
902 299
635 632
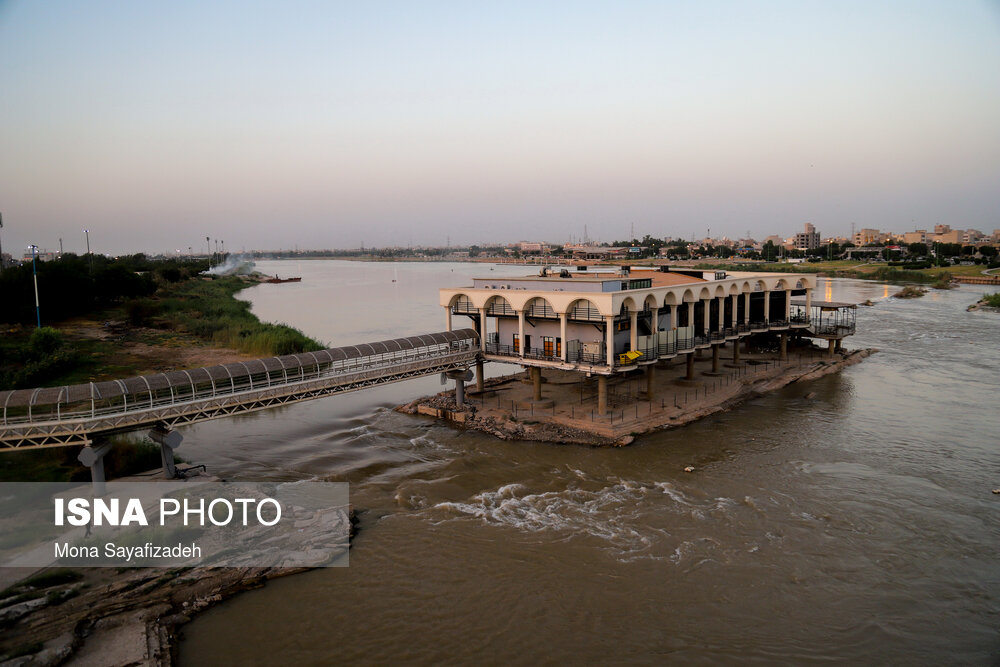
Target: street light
1 245
89 256
34 273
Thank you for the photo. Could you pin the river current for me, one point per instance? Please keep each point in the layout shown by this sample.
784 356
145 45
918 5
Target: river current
846 520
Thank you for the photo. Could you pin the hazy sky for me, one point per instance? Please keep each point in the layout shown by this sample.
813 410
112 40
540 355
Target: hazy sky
328 124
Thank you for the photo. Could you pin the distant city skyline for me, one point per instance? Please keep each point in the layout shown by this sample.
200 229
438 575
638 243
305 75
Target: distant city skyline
332 125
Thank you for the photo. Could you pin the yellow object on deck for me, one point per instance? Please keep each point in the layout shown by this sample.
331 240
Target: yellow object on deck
628 357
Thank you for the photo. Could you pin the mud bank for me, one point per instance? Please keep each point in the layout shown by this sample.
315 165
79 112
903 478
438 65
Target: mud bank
114 616
506 410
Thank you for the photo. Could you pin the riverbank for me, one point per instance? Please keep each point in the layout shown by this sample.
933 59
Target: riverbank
567 414
125 616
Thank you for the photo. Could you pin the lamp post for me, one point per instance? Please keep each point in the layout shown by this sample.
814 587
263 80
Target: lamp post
89 256
1 245
34 273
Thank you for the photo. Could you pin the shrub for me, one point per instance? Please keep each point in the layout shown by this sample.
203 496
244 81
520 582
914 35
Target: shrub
44 341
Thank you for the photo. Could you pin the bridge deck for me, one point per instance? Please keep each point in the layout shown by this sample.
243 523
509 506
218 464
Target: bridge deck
76 414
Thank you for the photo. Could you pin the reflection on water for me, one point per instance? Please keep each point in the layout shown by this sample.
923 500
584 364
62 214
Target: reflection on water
848 520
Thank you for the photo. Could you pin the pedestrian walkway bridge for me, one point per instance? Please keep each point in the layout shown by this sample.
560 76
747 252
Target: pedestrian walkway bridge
79 414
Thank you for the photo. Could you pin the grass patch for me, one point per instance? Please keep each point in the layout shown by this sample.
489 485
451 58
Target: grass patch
992 300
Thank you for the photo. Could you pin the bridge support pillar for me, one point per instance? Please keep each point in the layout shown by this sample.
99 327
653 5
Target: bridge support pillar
93 458
784 347
689 374
736 352
836 347
536 382
460 392
480 380
168 441
650 381
602 395
830 346
715 358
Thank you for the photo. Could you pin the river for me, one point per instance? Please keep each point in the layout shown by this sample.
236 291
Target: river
849 520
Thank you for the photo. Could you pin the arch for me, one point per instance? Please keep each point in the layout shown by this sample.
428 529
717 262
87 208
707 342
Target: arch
539 307
629 304
650 302
720 291
781 284
583 309
497 305
670 299
705 293
734 289
800 284
462 303
759 286
689 296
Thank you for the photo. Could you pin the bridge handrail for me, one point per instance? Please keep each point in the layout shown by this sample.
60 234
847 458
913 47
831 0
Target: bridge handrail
461 341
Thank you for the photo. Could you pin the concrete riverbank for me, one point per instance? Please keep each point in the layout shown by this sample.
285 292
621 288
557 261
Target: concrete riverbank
568 412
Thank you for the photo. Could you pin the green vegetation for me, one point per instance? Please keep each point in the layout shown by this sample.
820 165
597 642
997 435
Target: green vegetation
992 300
58 464
207 308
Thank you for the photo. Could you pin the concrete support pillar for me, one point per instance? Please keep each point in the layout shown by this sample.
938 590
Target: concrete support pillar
673 318
809 302
736 310
691 313
520 332
767 305
482 329
836 348
459 391
655 324
690 366
722 313
536 382
602 395
609 339
748 344
736 352
447 318
93 458
650 379
708 315
168 441
480 379
746 308
788 304
715 358
633 331
829 349
784 346
562 336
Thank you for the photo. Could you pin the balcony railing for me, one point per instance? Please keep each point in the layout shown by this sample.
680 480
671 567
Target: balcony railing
778 324
500 308
540 310
757 327
800 319
464 308
585 313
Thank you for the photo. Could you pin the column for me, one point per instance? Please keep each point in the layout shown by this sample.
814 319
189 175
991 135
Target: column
536 381
93 458
673 318
480 380
788 304
809 302
459 391
447 318
562 335
609 339
722 313
746 308
829 349
482 329
715 358
708 312
784 346
736 310
633 333
691 314
168 441
602 395
736 352
650 372
690 366
520 332
767 305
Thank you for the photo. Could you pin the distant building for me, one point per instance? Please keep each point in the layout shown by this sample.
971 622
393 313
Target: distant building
807 239
919 236
867 237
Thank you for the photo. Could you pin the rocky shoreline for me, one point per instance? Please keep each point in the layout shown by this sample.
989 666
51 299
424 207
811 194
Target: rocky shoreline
115 616
485 415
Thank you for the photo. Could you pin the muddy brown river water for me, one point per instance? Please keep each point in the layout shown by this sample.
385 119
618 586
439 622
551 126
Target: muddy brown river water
849 520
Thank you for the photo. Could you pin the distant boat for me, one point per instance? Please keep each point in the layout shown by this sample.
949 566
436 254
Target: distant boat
276 279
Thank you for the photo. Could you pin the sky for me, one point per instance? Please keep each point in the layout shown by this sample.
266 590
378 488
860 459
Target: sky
336 124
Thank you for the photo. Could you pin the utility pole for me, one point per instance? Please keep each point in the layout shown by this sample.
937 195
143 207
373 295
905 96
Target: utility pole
89 256
1 245
34 273
208 251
